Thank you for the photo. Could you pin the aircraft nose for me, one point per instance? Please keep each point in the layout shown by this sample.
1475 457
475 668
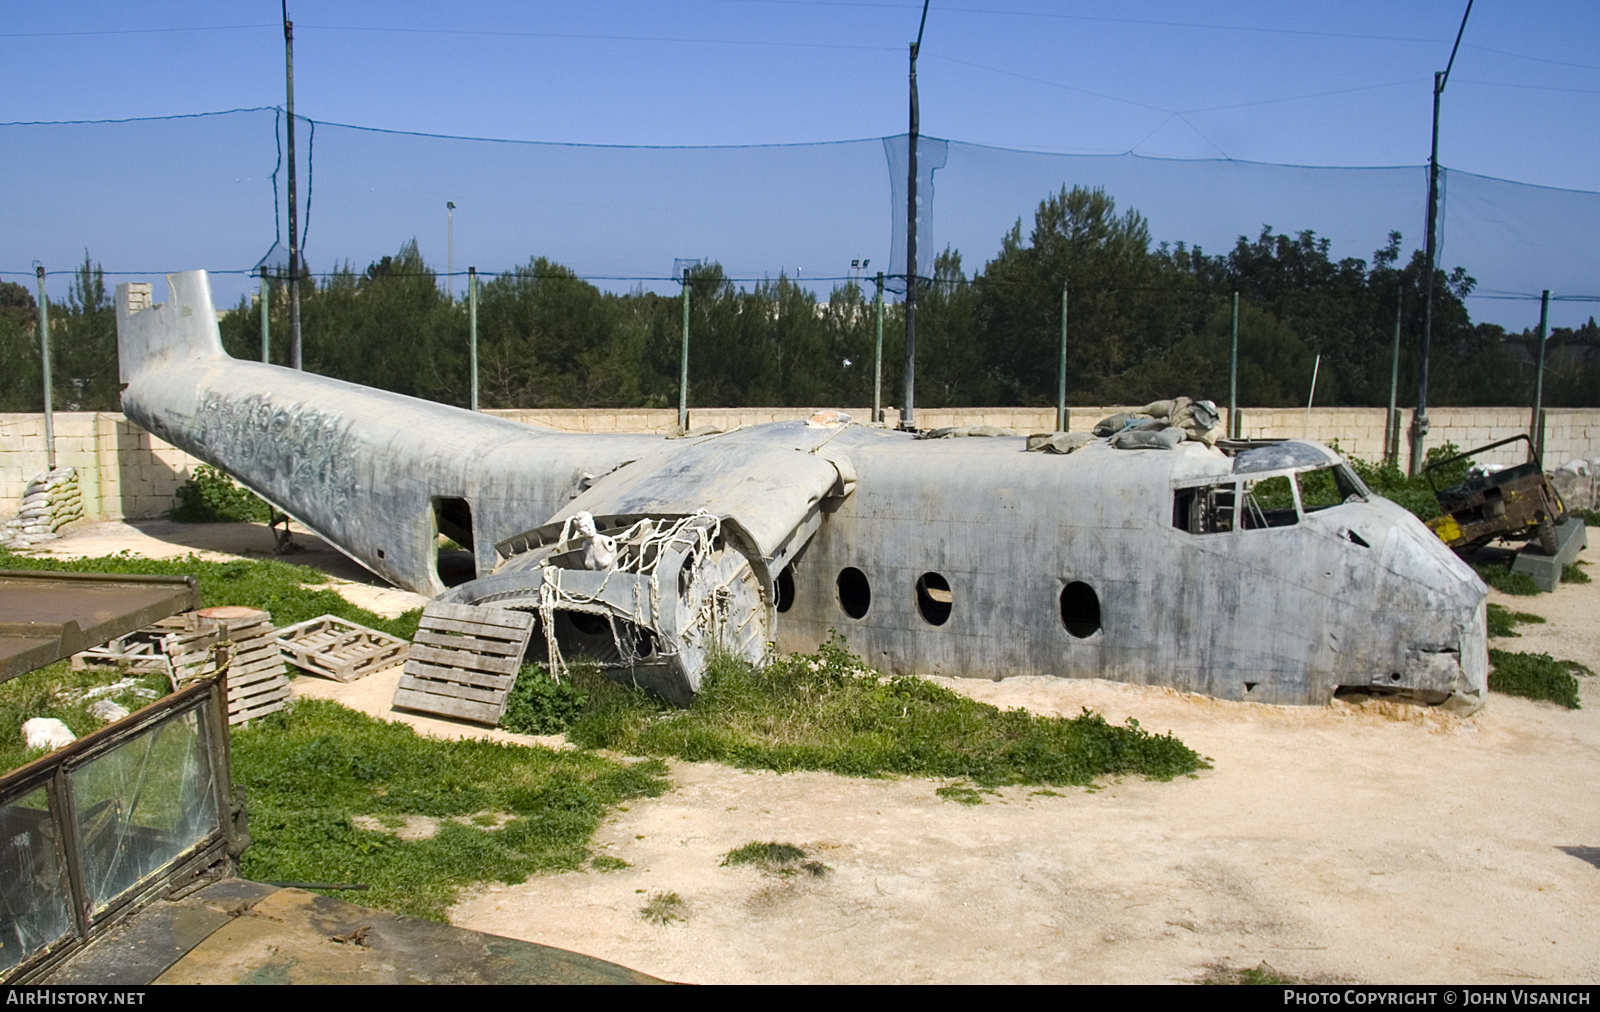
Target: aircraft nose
1452 655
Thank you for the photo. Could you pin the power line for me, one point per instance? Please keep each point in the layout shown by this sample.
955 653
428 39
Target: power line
604 38
132 31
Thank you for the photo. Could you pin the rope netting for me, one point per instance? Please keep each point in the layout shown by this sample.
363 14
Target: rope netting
145 197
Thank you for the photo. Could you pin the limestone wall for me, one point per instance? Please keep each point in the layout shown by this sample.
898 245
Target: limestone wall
125 472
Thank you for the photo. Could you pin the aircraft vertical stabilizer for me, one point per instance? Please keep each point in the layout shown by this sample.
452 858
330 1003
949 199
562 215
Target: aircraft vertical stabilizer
182 329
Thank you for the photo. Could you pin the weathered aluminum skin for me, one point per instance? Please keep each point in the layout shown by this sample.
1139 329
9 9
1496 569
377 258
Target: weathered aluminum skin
361 468
1283 615
1359 594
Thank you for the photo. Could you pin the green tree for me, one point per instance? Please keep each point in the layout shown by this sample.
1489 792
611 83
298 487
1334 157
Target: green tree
83 339
549 339
1275 366
1118 312
953 369
21 388
389 327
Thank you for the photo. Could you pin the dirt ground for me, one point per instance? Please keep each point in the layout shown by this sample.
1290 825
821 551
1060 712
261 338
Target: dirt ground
1376 843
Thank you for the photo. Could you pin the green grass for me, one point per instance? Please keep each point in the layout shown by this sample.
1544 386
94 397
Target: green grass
774 858
1590 518
1535 676
1265 973
1499 576
827 711
963 794
56 691
288 592
307 770
1503 622
662 909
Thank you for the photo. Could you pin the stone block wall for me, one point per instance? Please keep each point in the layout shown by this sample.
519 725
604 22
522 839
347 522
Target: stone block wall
125 472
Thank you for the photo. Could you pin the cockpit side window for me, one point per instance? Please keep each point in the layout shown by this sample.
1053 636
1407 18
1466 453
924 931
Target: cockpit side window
1204 509
1268 502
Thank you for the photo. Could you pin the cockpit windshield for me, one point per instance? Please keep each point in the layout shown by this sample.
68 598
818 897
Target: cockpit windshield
1279 500
1329 486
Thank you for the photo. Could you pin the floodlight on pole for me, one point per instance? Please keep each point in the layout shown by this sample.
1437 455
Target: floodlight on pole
907 412
1419 420
294 217
450 249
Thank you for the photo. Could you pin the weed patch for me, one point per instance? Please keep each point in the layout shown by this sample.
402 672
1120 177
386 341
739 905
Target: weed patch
774 858
1265 973
538 704
1503 622
605 862
308 770
290 593
828 711
1535 676
771 856
663 909
963 794
1499 576
1574 573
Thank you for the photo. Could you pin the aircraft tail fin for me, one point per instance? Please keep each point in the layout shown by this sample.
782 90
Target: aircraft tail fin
181 329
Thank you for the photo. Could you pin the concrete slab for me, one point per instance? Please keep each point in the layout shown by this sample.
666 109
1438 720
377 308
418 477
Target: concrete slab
237 932
1546 569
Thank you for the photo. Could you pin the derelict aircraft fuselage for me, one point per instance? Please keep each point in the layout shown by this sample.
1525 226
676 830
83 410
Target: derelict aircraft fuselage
964 557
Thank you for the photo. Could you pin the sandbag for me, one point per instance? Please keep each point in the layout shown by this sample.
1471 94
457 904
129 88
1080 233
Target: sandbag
1148 439
960 431
1058 442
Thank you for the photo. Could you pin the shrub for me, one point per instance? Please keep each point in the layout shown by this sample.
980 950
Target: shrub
210 496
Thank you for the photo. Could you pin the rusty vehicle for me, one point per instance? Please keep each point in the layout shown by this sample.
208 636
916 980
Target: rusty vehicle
1510 504
970 557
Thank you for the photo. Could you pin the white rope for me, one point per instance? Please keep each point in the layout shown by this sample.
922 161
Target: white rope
635 557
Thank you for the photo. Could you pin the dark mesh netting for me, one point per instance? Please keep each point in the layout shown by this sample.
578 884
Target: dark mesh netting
157 195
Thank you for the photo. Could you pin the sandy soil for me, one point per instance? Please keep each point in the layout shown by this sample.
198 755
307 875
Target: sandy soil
1375 843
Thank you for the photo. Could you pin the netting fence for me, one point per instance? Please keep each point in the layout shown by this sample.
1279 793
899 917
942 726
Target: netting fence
149 196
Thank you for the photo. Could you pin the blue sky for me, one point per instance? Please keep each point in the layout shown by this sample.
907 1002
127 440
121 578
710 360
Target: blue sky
1332 83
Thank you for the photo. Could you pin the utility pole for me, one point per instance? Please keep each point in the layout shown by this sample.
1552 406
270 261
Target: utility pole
1419 421
683 361
1233 374
908 412
877 359
472 329
1535 428
44 360
266 313
450 246
294 214
1061 372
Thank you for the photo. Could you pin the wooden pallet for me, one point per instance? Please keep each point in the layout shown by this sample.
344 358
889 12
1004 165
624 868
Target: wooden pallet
338 649
256 683
194 644
137 651
464 661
